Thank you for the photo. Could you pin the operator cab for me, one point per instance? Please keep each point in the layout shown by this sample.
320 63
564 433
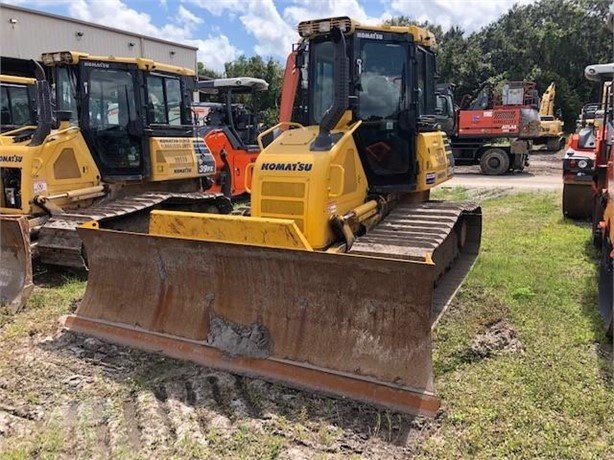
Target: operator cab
119 106
391 89
18 102
231 113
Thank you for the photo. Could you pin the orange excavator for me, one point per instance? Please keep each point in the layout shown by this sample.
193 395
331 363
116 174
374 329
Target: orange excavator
230 130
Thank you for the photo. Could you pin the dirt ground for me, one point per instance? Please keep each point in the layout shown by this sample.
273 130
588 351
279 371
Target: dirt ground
540 164
546 164
544 173
70 396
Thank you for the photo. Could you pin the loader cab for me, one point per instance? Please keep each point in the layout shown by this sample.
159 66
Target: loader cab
391 90
119 105
18 102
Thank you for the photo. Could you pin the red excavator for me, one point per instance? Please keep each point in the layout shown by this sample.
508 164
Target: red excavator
495 129
230 129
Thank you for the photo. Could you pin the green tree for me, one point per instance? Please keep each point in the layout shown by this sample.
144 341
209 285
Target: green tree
205 73
551 40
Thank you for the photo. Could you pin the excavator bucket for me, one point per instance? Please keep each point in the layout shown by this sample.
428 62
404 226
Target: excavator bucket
15 262
349 325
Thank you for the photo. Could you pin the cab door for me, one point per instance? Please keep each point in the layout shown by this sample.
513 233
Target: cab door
386 136
111 120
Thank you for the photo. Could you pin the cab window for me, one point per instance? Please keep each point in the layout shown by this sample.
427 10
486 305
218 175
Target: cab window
164 100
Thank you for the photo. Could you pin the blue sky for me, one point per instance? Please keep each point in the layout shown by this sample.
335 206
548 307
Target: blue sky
225 29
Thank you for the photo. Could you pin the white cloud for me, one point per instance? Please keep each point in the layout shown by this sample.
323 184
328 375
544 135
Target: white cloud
470 15
271 23
187 16
212 51
260 18
217 7
274 36
313 9
113 13
215 51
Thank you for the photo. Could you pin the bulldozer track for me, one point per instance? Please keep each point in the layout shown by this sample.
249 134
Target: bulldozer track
59 244
429 230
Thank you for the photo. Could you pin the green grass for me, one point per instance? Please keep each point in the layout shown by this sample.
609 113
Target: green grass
54 295
554 400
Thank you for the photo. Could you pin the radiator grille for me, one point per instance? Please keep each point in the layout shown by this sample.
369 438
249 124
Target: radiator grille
283 189
291 209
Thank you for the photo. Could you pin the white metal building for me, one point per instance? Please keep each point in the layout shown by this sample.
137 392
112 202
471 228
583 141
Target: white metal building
25 34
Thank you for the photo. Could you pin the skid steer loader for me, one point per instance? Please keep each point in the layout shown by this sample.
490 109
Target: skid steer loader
122 144
230 130
335 279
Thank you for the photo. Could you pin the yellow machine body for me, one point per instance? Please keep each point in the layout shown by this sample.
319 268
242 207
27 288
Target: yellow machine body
61 164
17 80
64 164
18 108
290 182
550 128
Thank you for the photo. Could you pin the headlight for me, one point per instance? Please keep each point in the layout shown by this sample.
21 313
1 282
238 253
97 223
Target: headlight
63 57
324 26
582 164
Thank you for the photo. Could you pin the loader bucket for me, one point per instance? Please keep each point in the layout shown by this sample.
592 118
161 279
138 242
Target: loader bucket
15 262
342 324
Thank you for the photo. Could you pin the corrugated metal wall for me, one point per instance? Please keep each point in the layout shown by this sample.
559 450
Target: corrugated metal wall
25 34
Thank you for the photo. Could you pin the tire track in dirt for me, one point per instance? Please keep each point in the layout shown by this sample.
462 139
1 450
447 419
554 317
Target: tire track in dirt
181 414
114 402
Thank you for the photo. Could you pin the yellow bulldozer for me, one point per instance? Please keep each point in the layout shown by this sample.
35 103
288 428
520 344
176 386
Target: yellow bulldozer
335 277
119 144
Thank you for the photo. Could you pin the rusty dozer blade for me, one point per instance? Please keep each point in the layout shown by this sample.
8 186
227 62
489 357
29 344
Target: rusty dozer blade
342 324
15 262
